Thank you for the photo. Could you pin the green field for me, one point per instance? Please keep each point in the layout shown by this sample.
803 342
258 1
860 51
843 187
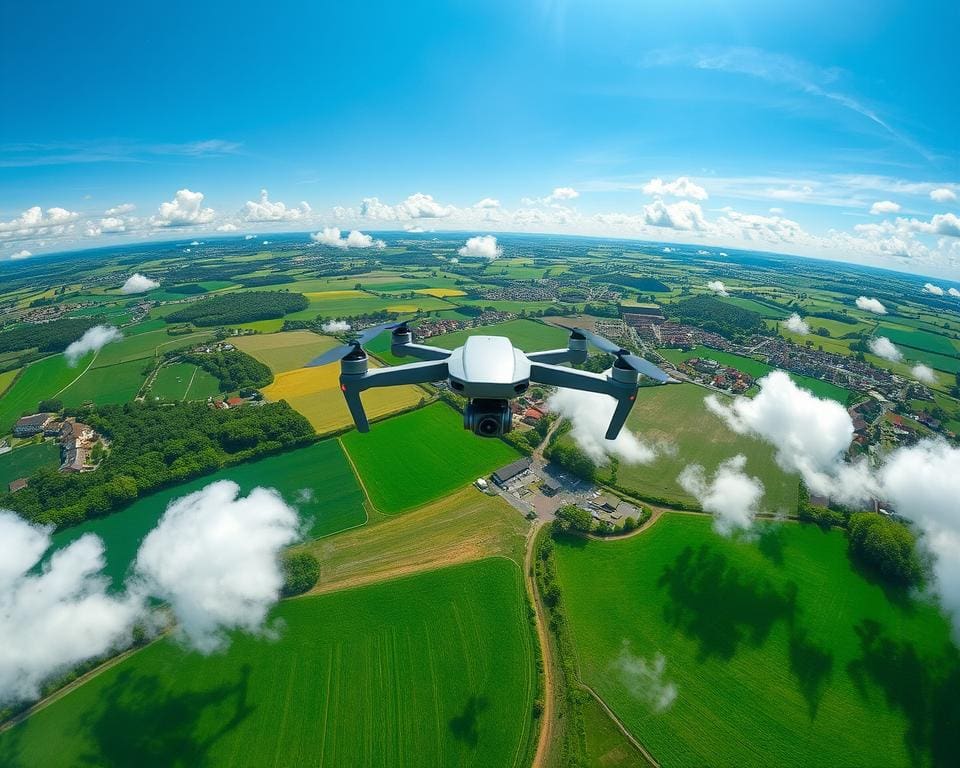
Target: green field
675 419
781 653
117 383
435 669
286 351
26 460
39 380
419 456
918 339
6 379
764 310
183 381
757 370
317 480
528 335
145 345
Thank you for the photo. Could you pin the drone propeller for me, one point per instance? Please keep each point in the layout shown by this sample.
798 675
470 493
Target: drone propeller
644 367
338 353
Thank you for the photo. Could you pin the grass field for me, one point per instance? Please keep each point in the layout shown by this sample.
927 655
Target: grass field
183 381
26 460
676 419
435 669
757 370
6 379
145 345
781 652
317 480
528 335
918 339
440 457
118 383
315 392
38 381
285 351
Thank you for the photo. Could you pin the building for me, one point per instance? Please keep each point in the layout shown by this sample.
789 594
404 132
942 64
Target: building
550 487
17 485
505 474
235 402
28 426
480 483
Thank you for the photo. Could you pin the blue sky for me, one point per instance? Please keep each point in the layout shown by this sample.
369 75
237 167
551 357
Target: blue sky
820 128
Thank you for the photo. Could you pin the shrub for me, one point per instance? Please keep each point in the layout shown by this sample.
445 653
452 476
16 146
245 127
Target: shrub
301 570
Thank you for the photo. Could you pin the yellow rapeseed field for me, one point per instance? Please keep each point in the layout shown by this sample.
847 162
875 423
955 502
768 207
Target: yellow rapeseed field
441 293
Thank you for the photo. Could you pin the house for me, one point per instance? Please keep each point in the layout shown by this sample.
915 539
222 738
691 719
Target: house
505 474
73 431
235 402
532 415
625 509
28 426
77 459
550 487
480 483
19 484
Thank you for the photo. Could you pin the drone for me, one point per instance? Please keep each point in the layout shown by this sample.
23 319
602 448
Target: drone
489 371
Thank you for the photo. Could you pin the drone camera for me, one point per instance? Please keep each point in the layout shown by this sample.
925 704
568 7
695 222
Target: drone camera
488 418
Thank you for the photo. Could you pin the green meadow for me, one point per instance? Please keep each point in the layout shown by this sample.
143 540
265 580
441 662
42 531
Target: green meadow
118 383
434 669
780 651
419 456
317 480
39 380
27 459
183 381
528 335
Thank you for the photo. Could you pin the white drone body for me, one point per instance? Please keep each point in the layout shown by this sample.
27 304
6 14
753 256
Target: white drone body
489 371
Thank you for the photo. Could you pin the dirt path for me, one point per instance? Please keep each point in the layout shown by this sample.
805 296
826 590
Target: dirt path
620 726
190 383
80 375
545 737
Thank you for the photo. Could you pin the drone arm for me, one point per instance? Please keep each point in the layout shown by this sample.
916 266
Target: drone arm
554 356
352 384
624 405
421 351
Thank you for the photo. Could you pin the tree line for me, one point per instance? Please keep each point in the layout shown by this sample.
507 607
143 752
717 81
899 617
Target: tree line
233 369
233 308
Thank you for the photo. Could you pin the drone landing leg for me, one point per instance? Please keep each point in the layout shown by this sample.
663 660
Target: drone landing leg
352 396
624 404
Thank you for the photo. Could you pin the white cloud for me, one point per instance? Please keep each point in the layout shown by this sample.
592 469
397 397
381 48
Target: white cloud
106 226
936 290
558 196
943 195
249 237
645 680
683 215
796 324
58 616
681 187
335 326
487 202
590 414
119 210
871 305
214 557
732 496
718 288
35 222
755 228
92 341
484 246
810 435
884 206
331 236
138 283
417 206
227 227
776 211
265 210
21 254
881 346
924 374
954 292
183 211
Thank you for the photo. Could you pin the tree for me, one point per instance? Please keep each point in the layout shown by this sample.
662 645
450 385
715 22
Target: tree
570 517
50 406
886 546
300 573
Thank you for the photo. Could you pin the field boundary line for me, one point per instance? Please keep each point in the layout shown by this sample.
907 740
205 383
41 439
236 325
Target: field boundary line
16 378
356 474
92 361
620 726
186 392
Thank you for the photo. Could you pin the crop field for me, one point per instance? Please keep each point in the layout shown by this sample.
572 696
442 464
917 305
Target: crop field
38 381
317 480
285 351
440 665
442 457
757 370
528 335
463 526
183 381
781 652
24 461
441 293
333 304
918 339
145 345
764 310
315 392
675 421
6 379
117 383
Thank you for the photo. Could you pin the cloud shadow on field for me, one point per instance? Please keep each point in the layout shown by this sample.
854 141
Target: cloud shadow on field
464 726
812 665
925 689
771 542
720 606
140 722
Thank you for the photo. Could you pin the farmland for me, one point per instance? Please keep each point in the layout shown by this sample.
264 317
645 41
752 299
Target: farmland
317 480
918 339
781 652
315 392
27 459
282 352
42 379
6 379
438 665
528 335
442 457
144 346
675 421
118 383
183 381
757 370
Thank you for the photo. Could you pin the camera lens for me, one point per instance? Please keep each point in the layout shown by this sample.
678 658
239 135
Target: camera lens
488 426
